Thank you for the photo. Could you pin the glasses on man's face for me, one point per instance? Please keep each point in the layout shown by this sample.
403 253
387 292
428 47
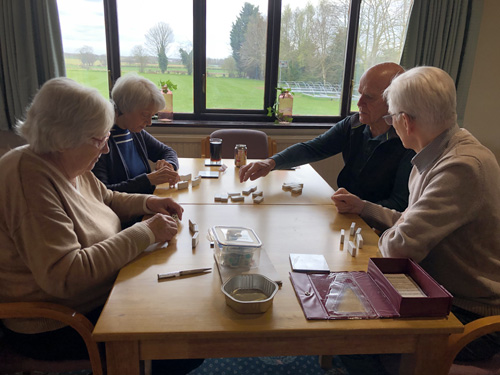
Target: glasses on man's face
99 142
389 118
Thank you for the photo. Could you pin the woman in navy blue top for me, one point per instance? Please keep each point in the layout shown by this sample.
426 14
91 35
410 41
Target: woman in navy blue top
126 167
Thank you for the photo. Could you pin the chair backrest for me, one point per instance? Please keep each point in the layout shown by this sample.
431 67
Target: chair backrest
259 145
11 361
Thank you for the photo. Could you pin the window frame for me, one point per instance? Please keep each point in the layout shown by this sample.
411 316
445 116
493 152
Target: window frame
200 112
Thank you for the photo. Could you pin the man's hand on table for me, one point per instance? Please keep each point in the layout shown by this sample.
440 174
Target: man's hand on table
347 203
256 170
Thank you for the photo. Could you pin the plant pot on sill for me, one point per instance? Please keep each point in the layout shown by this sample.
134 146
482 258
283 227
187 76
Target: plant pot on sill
167 113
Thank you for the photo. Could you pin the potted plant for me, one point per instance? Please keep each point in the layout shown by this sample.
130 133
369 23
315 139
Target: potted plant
282 107
167 113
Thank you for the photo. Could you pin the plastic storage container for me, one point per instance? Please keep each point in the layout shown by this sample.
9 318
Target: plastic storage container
236 246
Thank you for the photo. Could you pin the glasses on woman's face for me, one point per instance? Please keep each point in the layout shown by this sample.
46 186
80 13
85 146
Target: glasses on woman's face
99 143
146 115
389 118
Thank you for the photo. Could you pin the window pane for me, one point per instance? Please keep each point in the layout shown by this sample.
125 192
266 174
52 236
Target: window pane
312 53
236 53
84 42
156 41
382 29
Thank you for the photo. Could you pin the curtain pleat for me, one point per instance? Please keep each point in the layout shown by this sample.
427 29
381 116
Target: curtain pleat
443 33
30 53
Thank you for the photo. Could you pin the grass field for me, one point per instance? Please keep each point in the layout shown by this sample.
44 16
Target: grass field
222 92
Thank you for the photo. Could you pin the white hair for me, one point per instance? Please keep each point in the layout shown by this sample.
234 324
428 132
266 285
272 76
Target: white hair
132 92
64 115
425 93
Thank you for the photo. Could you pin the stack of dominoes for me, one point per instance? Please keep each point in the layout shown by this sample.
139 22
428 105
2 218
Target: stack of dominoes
184 182
257 196
193 229
357 241
294 187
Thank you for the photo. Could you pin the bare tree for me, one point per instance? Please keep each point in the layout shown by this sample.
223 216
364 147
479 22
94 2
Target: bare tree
381 30
87 56
330 21
158 40
140 57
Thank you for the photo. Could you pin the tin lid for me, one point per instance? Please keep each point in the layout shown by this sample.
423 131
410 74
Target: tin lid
241 146
236 236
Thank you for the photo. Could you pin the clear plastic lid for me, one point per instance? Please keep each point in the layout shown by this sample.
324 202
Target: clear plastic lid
235 236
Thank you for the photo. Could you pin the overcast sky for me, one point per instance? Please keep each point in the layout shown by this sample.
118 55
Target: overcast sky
82 23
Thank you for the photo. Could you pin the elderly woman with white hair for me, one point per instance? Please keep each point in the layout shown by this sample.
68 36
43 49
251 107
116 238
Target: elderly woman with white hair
60 227
126 167
451 224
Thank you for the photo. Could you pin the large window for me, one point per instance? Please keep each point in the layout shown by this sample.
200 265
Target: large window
227 57
84 42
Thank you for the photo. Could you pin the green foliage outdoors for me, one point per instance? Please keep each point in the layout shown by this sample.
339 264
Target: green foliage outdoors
222 92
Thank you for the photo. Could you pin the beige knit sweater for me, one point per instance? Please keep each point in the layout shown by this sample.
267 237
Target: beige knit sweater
61 244
452 223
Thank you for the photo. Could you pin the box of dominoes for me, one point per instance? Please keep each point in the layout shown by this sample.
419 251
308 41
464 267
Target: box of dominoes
391 288
411 290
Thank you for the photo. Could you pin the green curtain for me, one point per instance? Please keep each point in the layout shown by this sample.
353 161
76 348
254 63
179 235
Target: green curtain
30 53
444 33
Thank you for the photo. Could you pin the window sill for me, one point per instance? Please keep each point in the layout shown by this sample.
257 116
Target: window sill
238 125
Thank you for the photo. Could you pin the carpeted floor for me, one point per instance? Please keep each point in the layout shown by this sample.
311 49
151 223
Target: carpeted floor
300 365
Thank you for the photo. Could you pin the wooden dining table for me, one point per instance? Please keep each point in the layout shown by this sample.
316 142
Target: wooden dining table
187 317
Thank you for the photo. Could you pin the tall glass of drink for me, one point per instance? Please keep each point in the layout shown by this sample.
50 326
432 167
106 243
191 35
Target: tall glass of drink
215 149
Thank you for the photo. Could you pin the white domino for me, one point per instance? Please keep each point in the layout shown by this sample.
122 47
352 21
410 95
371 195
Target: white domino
359 241
196 181
182 185
237 198
195 239
193 227
186 177
246 192
351 248
258 200
353 228
342 235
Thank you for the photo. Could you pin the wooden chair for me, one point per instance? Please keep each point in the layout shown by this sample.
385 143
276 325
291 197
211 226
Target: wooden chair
260 145
12 362
472 331
457 342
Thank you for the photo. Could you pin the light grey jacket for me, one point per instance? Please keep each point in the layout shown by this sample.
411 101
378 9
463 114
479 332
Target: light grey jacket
452 224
